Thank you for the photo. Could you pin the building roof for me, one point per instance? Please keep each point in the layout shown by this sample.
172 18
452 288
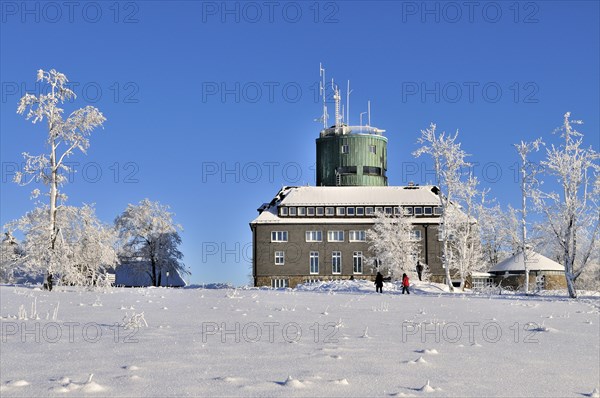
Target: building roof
346 196
535 262
360 196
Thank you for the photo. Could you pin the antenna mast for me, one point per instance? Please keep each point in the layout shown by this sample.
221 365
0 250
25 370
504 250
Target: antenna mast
336 97
369 113
348 104
322 92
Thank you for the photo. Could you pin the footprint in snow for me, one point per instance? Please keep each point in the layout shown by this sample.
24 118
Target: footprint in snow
342 382
13 384
291 383
431 351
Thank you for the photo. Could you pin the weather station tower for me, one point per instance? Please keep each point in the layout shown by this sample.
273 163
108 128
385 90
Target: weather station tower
349 155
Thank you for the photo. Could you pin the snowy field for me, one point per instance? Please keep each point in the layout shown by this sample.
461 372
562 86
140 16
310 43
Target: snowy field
338 339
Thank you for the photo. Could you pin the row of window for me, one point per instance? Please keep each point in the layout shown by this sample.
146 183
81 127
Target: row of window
336 262
352 211
333 236
367 170
346 149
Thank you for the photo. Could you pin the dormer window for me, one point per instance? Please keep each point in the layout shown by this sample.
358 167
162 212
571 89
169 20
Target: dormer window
292 211
283 211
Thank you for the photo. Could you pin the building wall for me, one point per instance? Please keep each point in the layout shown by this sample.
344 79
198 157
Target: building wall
297 252
517 281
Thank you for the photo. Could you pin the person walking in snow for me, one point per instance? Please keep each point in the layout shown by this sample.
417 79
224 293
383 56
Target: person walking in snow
379 283
405 284
419 269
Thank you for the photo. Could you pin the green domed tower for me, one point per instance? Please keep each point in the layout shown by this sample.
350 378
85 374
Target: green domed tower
351 156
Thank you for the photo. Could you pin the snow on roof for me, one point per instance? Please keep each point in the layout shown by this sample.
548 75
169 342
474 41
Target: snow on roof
535 262
346 196
360 196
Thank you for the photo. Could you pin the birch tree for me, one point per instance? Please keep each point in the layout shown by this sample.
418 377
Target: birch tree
449 162
466 243
494 233
64 137
572 213
148 233
83 252
393 242
528 183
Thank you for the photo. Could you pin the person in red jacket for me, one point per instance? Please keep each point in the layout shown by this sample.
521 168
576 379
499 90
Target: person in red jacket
405 284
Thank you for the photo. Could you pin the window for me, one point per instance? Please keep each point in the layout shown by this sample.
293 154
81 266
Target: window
283 211
301 211
335 236
350 211
388 210
345 148
379 210
279 258
336 262
314 236
357 260
314 262
341 211
329 211
369 211
279 236
292 211
408 211
279 283
371 171
346 170
372 149
437 211
441 234
427 211
415 234
358 236
360 211
418 211
310 211
397 211
320 211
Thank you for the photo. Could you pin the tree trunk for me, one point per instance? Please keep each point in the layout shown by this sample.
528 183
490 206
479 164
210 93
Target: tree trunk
153 262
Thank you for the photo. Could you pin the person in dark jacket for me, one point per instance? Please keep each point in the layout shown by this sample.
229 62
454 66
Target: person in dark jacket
49 281
379 283
405 284
419 269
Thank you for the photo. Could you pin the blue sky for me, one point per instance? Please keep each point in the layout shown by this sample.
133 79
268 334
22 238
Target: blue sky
210 106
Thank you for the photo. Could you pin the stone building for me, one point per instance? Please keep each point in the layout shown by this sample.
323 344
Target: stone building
319 233
544 274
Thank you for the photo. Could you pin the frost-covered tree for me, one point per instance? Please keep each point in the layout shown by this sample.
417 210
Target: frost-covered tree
494 233
83 252
466 243
449 164
393 242
148 233
64 137
528 183
10 257
572 213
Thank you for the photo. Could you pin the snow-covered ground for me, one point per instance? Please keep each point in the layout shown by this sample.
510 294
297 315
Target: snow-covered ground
332 339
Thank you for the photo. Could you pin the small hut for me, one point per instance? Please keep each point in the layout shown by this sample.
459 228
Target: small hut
544 274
